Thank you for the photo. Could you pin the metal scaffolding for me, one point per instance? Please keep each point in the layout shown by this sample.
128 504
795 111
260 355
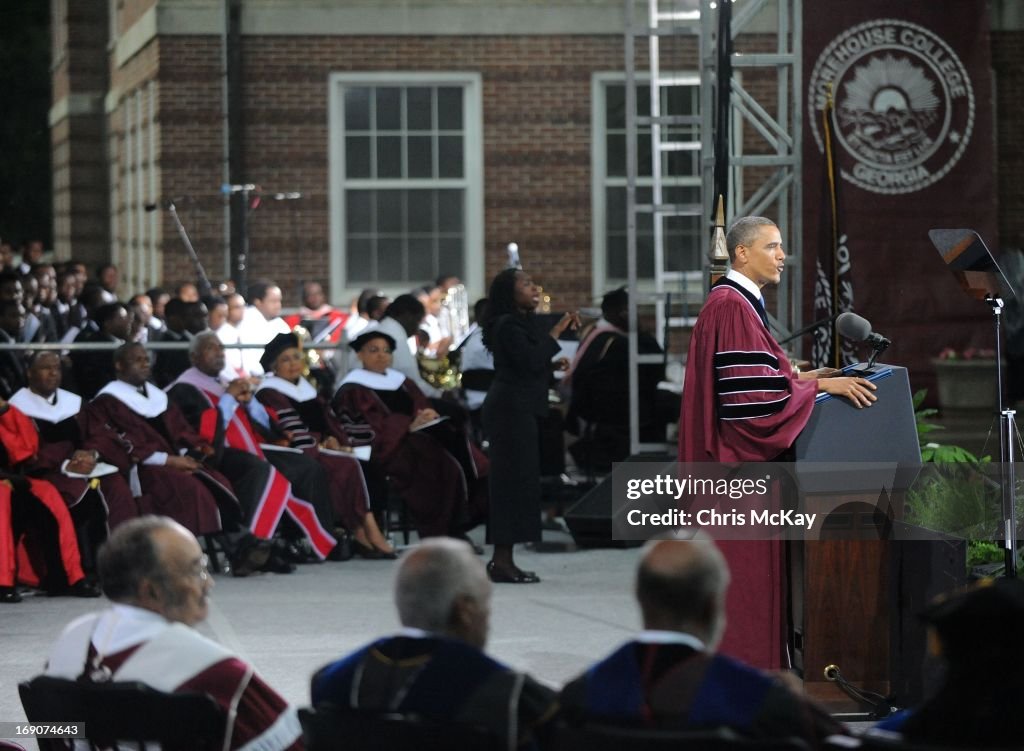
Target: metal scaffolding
761 143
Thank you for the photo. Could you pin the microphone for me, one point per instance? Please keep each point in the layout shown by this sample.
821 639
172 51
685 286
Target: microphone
228 188
853 326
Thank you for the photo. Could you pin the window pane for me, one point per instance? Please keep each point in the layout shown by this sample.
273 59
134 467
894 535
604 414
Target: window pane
389 260
617 257
449 108
389 212
615 209
389 156
644 257
643 154
681 100
418 108
615 107
389 108
358 215
357 156
421 210
449 256
421 156
421 259
357 109
359 255
449 156
449 211
615 156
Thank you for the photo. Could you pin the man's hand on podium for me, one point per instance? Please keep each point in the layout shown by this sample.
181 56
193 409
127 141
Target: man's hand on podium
857 390
811 375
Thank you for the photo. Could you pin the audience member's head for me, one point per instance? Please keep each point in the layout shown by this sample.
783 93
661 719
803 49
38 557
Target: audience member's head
187 291
10 286
142 309
376 307
615 308
32 252
158 299
44 374
364 298
81 275
132 364
46 279
29 291
206 353
6 255
283 357
92 297
266 298
236 308
114 319
680 586
431 296
107 276
313 296
12 317
373 348
174 315
67 286
408 311
156 564
442 588
217 308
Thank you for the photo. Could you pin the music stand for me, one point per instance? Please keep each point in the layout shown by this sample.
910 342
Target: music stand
966 255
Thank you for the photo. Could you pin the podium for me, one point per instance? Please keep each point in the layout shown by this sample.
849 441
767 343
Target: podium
850 591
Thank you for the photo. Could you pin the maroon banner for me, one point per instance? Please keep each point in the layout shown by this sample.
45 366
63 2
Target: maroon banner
913 140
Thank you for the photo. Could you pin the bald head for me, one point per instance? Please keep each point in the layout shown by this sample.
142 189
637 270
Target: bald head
442 587
681 586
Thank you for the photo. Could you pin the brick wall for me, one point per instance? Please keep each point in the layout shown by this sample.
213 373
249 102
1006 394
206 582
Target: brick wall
1008 64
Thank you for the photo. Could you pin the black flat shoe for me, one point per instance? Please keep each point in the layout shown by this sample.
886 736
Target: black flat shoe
276 564
9 594
518 576
371 553
249 555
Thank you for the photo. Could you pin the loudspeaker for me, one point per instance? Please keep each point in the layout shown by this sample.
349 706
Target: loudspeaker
590 519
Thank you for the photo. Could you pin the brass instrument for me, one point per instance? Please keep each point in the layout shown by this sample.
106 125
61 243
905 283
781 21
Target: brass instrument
443 372
310 357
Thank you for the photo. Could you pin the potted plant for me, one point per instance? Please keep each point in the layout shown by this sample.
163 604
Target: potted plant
966 380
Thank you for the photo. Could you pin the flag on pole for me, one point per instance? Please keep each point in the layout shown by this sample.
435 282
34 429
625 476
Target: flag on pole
833 286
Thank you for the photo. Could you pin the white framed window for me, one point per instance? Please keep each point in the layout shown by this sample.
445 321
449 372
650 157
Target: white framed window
406 180
681 180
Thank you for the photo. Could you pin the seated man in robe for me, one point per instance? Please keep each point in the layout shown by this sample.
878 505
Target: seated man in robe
136 429
270 483
38 547
669 677
435 666
441 475
298 412
599 383
154 573
98 502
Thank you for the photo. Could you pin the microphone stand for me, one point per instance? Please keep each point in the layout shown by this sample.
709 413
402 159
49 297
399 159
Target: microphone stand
1007 449
204 281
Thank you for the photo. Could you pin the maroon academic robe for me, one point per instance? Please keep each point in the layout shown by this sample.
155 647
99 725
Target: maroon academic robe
444 494
743 403
125 438
59 426
300 413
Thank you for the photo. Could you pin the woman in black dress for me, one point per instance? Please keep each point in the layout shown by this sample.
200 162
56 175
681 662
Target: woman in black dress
516 401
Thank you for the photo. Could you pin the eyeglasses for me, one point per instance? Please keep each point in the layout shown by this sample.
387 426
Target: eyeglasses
200 568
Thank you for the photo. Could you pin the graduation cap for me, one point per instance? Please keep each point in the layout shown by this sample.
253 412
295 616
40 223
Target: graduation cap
360 341
982 623
275 347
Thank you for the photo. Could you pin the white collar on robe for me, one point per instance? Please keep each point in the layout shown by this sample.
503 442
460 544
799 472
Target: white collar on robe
64 405
298 392
153 404
653 636
195 377
388 381
746 282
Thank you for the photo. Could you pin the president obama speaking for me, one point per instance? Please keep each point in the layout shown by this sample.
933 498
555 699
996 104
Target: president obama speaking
742 402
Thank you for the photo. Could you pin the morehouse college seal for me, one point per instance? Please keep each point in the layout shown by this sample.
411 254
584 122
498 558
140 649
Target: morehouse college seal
904 106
